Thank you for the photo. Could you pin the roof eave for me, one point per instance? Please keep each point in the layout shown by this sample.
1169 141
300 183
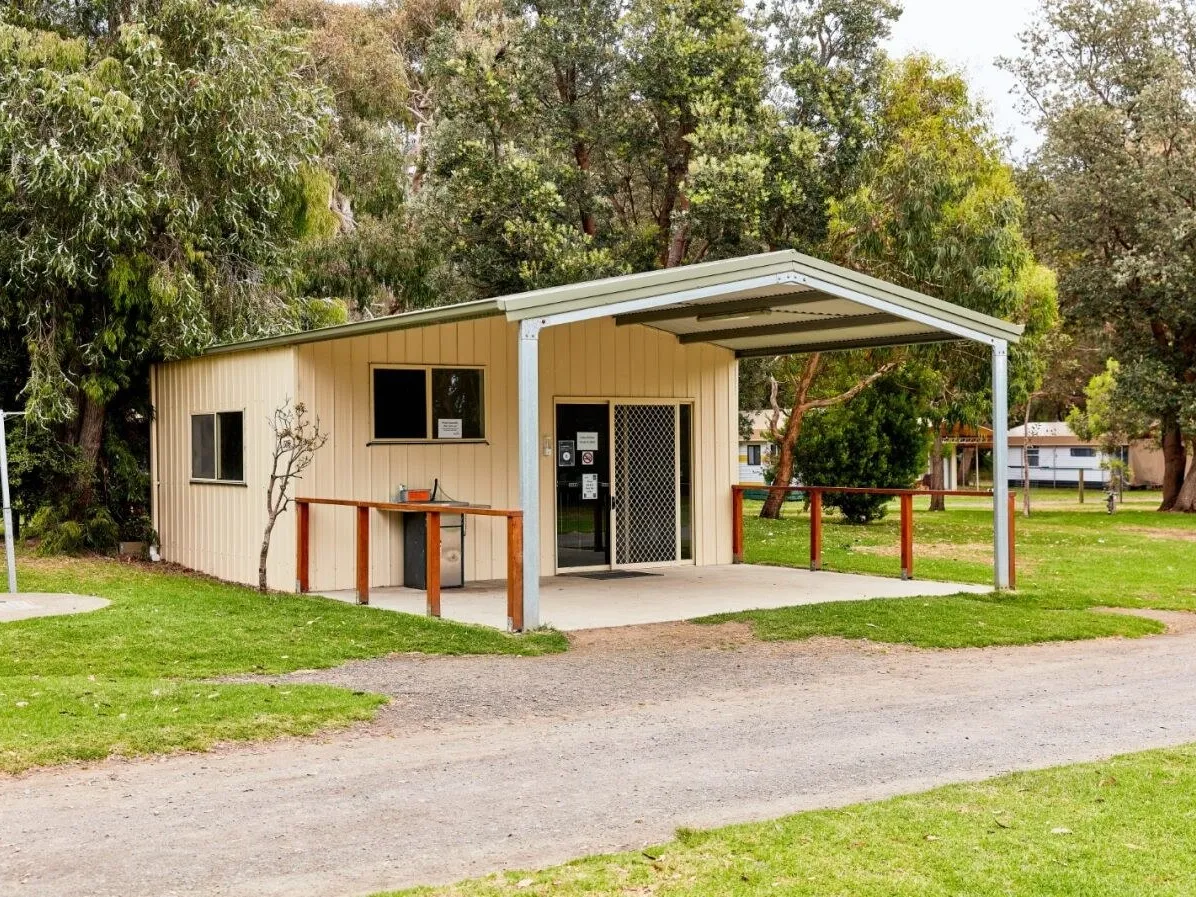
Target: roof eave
447 314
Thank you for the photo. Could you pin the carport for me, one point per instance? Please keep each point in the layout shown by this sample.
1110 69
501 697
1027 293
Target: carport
770 304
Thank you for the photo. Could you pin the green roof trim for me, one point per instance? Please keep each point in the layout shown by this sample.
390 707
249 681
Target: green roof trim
594 295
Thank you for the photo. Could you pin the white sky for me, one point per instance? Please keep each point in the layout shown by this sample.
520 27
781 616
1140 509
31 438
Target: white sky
971 34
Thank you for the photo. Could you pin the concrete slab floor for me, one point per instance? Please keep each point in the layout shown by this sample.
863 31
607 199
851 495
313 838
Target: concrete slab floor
573 601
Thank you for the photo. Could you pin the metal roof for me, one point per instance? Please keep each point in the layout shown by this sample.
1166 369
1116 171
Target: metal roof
769 304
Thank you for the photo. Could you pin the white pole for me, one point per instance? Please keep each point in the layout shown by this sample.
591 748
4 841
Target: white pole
10 553
529 466
1001 464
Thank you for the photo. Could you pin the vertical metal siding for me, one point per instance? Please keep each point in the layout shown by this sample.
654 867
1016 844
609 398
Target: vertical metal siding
217 529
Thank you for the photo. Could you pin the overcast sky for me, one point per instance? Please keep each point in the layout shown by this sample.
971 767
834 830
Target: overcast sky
971 34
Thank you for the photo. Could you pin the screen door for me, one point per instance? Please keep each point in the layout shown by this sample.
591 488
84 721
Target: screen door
646 468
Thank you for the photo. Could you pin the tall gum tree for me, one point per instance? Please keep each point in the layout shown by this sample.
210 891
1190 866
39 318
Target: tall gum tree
937 211
1111 194
154 158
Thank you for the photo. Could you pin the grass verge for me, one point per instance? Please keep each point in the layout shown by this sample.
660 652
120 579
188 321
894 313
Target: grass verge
1122 827
121 680
48 720
1071 558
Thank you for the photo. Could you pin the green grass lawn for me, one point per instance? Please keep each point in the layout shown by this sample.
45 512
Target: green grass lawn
1071 558
119 680
1124 827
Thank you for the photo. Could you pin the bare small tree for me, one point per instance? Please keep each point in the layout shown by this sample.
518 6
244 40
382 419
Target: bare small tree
296 441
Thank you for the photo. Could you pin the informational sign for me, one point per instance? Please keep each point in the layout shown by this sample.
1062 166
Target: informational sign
566 453
587 442
449 428
587 459
589 486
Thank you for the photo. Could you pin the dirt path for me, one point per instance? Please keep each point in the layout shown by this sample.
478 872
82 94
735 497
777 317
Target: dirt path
486 763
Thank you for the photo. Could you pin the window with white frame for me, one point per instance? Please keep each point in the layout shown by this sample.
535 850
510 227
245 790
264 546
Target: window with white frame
753 455
428 403
218 447
1032 457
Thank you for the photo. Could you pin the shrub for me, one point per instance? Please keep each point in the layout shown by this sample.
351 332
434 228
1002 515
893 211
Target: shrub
877 439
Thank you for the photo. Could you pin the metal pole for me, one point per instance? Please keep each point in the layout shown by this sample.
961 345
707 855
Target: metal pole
10 553
1001 464
529 466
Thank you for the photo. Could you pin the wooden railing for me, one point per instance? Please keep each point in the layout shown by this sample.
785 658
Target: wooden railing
433 513
905 498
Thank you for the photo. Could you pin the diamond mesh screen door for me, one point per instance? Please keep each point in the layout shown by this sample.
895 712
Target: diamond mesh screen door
646 483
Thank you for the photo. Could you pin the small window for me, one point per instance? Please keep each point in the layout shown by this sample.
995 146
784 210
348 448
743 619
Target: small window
1084 452
1032 457
400 403
457 403
429 404
218 447
753 456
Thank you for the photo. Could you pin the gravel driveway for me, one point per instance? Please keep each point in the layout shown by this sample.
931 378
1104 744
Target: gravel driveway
486 763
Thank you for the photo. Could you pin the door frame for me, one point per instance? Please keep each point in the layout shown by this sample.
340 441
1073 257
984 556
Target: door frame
613 520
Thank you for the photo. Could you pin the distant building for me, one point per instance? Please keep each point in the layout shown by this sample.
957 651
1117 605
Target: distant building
1056 456
755 452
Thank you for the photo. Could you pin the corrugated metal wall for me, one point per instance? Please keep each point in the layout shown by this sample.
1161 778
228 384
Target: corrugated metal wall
217 528
588 360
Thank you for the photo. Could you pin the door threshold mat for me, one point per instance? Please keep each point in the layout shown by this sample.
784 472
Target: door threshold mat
614 574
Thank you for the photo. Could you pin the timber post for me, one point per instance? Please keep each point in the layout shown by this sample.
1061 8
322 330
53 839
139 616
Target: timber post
815 530
302 546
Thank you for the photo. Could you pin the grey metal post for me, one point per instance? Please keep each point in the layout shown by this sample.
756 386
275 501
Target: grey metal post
10 554
1001 464
529 466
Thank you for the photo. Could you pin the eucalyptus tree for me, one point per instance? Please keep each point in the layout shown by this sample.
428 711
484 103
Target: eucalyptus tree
156 161
1112 84
937 211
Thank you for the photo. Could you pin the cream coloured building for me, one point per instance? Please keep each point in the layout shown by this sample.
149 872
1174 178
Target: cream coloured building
606 411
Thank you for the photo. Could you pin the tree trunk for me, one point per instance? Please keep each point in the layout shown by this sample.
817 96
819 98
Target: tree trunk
937 502
1185 501
965 464
1175 459
261 563
91 437
784 466
801 404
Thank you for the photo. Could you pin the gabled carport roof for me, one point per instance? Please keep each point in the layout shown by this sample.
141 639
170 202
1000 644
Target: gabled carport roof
769 304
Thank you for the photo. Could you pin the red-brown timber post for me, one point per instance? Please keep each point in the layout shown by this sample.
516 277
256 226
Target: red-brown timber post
302 542
363 554
515 572
737 525
815 530
907 536
433 566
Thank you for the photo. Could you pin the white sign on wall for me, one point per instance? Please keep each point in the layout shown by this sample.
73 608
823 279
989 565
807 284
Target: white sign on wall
449 428
589 486
587 441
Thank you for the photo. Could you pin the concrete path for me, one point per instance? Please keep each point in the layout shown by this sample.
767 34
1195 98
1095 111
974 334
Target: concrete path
488 763
24 605
573 601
